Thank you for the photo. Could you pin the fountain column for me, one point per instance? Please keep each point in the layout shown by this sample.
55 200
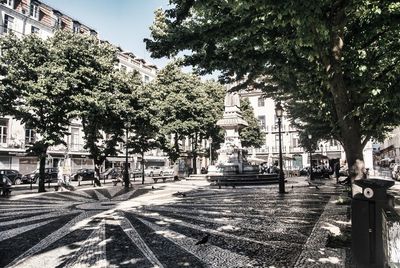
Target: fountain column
230 156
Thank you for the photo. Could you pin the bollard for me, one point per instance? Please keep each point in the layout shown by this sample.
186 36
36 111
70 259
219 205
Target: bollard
366 230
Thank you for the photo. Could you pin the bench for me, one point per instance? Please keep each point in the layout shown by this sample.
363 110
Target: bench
163 178
243 180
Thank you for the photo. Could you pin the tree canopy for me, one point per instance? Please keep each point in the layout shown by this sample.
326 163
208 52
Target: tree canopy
251 135
334 63
43 79
188 108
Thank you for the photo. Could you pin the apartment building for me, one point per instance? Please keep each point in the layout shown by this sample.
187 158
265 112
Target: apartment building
294 155
389 149
23 17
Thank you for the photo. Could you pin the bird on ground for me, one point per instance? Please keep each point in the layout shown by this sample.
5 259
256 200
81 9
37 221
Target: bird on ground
316 187
292 187
203 240
233 186
152 187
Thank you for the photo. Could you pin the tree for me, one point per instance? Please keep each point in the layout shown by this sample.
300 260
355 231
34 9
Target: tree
335 63
146 126
189 108
42 79
107 109
250 135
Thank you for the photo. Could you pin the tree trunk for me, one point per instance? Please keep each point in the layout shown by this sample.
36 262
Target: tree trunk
42 175
194 159
142 163
349 125
97 165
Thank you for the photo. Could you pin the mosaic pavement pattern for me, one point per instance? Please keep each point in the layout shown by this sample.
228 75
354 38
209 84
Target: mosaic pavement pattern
109 227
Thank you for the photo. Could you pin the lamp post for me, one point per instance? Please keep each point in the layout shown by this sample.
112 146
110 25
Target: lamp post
210 142
309 138
126 173
279 114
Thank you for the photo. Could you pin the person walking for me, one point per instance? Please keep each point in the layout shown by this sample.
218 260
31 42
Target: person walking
337 170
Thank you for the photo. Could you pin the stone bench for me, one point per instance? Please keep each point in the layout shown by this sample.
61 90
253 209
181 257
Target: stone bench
163 178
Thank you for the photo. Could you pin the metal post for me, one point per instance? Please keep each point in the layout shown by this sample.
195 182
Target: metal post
126 175
310 165
281 174
210 141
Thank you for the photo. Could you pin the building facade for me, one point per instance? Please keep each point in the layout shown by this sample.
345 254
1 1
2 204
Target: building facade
294 156
389 149
23 17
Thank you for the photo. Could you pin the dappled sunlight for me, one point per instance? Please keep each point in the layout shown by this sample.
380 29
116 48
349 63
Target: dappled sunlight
332 260
170 234
332 228
228 228
347 223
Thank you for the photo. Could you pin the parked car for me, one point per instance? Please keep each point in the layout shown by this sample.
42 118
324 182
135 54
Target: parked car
396 172
153 171
83 174
304 171
13 175
33 177
135 173
111 173
167 171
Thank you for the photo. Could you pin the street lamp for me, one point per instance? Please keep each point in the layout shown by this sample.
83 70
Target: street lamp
279 114
210 142
309 138
126 172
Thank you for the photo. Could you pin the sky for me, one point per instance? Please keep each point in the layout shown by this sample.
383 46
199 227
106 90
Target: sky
121 22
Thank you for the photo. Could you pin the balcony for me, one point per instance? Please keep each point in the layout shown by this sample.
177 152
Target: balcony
262 150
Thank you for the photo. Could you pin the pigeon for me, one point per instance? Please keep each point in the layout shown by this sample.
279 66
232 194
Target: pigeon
152 187
233 186
203 240
292 187
316 187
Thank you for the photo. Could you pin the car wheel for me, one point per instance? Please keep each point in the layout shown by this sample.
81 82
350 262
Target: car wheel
17 181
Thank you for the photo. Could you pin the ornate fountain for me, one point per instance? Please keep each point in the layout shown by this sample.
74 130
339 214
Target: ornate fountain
230 156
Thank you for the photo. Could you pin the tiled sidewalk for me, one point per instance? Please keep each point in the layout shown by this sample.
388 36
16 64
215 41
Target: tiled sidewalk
145 227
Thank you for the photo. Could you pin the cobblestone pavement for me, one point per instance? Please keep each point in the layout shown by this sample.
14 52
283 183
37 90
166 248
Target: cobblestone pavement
145 227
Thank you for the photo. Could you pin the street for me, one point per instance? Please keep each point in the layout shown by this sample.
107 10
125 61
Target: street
145 227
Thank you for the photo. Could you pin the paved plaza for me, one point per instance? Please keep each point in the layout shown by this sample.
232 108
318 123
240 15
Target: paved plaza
145 227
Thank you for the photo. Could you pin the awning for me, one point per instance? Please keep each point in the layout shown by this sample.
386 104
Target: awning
333 155
319 156
116 159
254 159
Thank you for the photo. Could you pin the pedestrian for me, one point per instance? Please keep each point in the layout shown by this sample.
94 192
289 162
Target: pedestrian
337 170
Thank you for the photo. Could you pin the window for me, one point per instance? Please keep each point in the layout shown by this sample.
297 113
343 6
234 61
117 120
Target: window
3 130
261 122
74 139
333 143
8 23
76 28
30 136
10 3
261 102
35 30
34 11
